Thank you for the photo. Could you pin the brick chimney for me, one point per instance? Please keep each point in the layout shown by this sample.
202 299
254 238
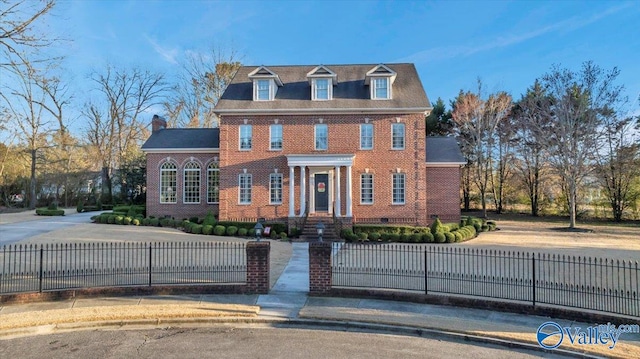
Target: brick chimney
158 123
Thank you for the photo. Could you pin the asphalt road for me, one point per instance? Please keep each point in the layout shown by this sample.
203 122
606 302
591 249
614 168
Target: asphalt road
15 232
246 342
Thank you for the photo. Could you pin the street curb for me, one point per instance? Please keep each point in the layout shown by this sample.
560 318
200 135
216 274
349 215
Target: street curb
276 322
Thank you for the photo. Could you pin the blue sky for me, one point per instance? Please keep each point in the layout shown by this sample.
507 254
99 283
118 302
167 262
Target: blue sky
508 44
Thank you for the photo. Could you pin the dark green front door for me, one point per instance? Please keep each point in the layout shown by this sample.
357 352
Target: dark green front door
322 192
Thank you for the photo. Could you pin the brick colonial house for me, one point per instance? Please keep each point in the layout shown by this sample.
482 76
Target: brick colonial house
342 141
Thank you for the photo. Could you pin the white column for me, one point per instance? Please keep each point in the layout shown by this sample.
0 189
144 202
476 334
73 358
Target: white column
292 184
337 207
303 190
349 194
312 189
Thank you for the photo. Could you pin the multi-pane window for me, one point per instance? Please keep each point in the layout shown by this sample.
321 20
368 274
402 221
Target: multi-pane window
213 183
262 90
321 133
322 89
380 88
191 183
366 136
398 188
168 174
245 137
275 188
397 136
244 188
366 188
275 134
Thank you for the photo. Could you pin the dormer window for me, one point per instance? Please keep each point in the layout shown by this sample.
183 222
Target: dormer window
380 80
322 80
265 84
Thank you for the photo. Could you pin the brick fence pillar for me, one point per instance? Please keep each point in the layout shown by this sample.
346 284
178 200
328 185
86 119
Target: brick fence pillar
319 268
258 267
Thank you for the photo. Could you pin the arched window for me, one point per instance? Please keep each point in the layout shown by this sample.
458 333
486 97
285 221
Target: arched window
168 173
191 183
213 183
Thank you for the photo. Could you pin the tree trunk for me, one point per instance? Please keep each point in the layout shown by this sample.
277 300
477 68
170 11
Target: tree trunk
573 195
105 196
32 184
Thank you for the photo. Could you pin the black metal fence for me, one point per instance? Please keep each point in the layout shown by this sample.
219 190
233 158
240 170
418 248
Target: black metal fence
61 266
598 284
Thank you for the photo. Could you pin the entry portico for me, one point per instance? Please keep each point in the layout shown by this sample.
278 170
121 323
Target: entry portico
324 166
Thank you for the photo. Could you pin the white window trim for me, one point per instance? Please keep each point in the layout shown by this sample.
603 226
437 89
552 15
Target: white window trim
256 88
404 189
175 170
250 177
184 182
315 134
209 170
240 137
372 189
404 136
372 87
281 137
372 137
314 88
271 175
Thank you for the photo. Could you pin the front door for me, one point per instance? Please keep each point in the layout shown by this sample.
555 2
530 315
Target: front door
322 192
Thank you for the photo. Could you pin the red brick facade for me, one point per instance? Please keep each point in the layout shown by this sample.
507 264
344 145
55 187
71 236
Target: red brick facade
443 193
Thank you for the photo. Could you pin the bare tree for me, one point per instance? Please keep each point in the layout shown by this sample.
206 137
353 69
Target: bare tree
580 102
478 120
204 78
18 33
617 162
530 130
23 101
118 131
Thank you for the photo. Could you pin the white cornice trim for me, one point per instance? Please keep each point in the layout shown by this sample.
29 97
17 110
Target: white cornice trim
445 164
307 111
181 150
321 160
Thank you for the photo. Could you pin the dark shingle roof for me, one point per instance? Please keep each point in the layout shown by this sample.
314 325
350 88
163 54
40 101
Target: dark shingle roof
444 150
183 138
349 93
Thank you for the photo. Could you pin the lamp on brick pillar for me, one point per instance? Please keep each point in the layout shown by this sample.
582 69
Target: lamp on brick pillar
320 229
258 228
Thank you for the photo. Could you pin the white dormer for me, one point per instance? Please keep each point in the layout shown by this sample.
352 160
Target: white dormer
265 84
322 81
380 80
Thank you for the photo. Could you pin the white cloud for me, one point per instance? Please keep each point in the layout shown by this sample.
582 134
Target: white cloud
449 52
168 54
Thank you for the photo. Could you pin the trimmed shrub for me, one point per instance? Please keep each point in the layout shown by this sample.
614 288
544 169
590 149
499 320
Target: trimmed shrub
427 237
394 237
273 234
127 220
155 222
283 235
80 207
437 227
145 221
207 229
135 222
232 230
49 212
484 228
219 230
119 219
242 232
450 237
209 219
458 236
363 236
374 237
385 237
439 237
111 219
450 227
415 237
194 219
196 229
